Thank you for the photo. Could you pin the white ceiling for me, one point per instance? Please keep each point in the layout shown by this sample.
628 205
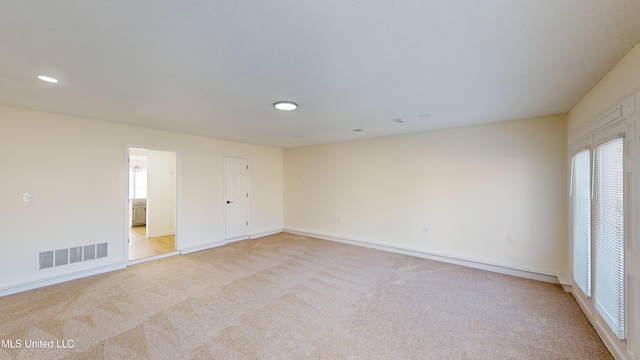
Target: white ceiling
215 68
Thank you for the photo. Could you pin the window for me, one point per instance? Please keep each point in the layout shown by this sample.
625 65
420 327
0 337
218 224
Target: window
598 229
608 227
581 198
613 306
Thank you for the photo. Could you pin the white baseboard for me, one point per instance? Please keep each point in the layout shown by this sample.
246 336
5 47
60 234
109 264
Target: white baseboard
228 241
206 246
524 273
616 347
451 259
238 238
566 283
162 234
567 288
60 279
152 258
265 233
565 280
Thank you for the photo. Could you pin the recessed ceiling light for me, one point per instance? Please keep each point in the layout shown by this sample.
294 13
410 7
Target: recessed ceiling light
285 105
47 79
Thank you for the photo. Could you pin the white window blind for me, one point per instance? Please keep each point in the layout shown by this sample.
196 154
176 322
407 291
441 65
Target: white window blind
581 197
609 234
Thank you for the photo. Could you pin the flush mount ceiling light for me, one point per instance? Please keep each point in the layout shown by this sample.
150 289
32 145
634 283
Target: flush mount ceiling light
400 120
47 79
285 105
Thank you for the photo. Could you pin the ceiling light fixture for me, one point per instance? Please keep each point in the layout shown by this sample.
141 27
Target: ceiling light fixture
285 105
400 120
47 79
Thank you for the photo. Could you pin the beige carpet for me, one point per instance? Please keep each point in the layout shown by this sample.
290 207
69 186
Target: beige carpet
291 297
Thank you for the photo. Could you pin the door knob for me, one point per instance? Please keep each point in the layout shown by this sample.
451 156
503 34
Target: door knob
229 202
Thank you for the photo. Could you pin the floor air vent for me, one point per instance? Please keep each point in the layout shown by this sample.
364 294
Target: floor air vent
89 252
101 250
75 254
60 257
45 260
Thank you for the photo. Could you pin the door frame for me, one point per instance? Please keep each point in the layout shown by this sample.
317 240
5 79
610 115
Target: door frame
126 225
224 191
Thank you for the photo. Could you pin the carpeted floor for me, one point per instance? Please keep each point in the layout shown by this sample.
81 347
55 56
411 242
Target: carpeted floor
292 297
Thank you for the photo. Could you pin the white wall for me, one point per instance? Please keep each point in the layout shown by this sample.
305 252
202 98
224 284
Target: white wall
161 193
77 169
484 182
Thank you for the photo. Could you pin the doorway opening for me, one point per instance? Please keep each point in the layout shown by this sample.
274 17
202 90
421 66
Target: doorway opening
151 206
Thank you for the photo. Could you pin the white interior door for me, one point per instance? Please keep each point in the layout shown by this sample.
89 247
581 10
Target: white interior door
236 197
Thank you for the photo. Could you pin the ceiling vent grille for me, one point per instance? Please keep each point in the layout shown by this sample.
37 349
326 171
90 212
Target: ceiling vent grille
55 258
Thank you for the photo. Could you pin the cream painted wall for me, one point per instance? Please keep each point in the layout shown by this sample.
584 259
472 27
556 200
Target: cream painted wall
620 82
161 193
484 182
76 168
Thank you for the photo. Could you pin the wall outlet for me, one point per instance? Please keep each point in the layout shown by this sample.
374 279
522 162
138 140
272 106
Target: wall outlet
509 239
455 234
425 230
